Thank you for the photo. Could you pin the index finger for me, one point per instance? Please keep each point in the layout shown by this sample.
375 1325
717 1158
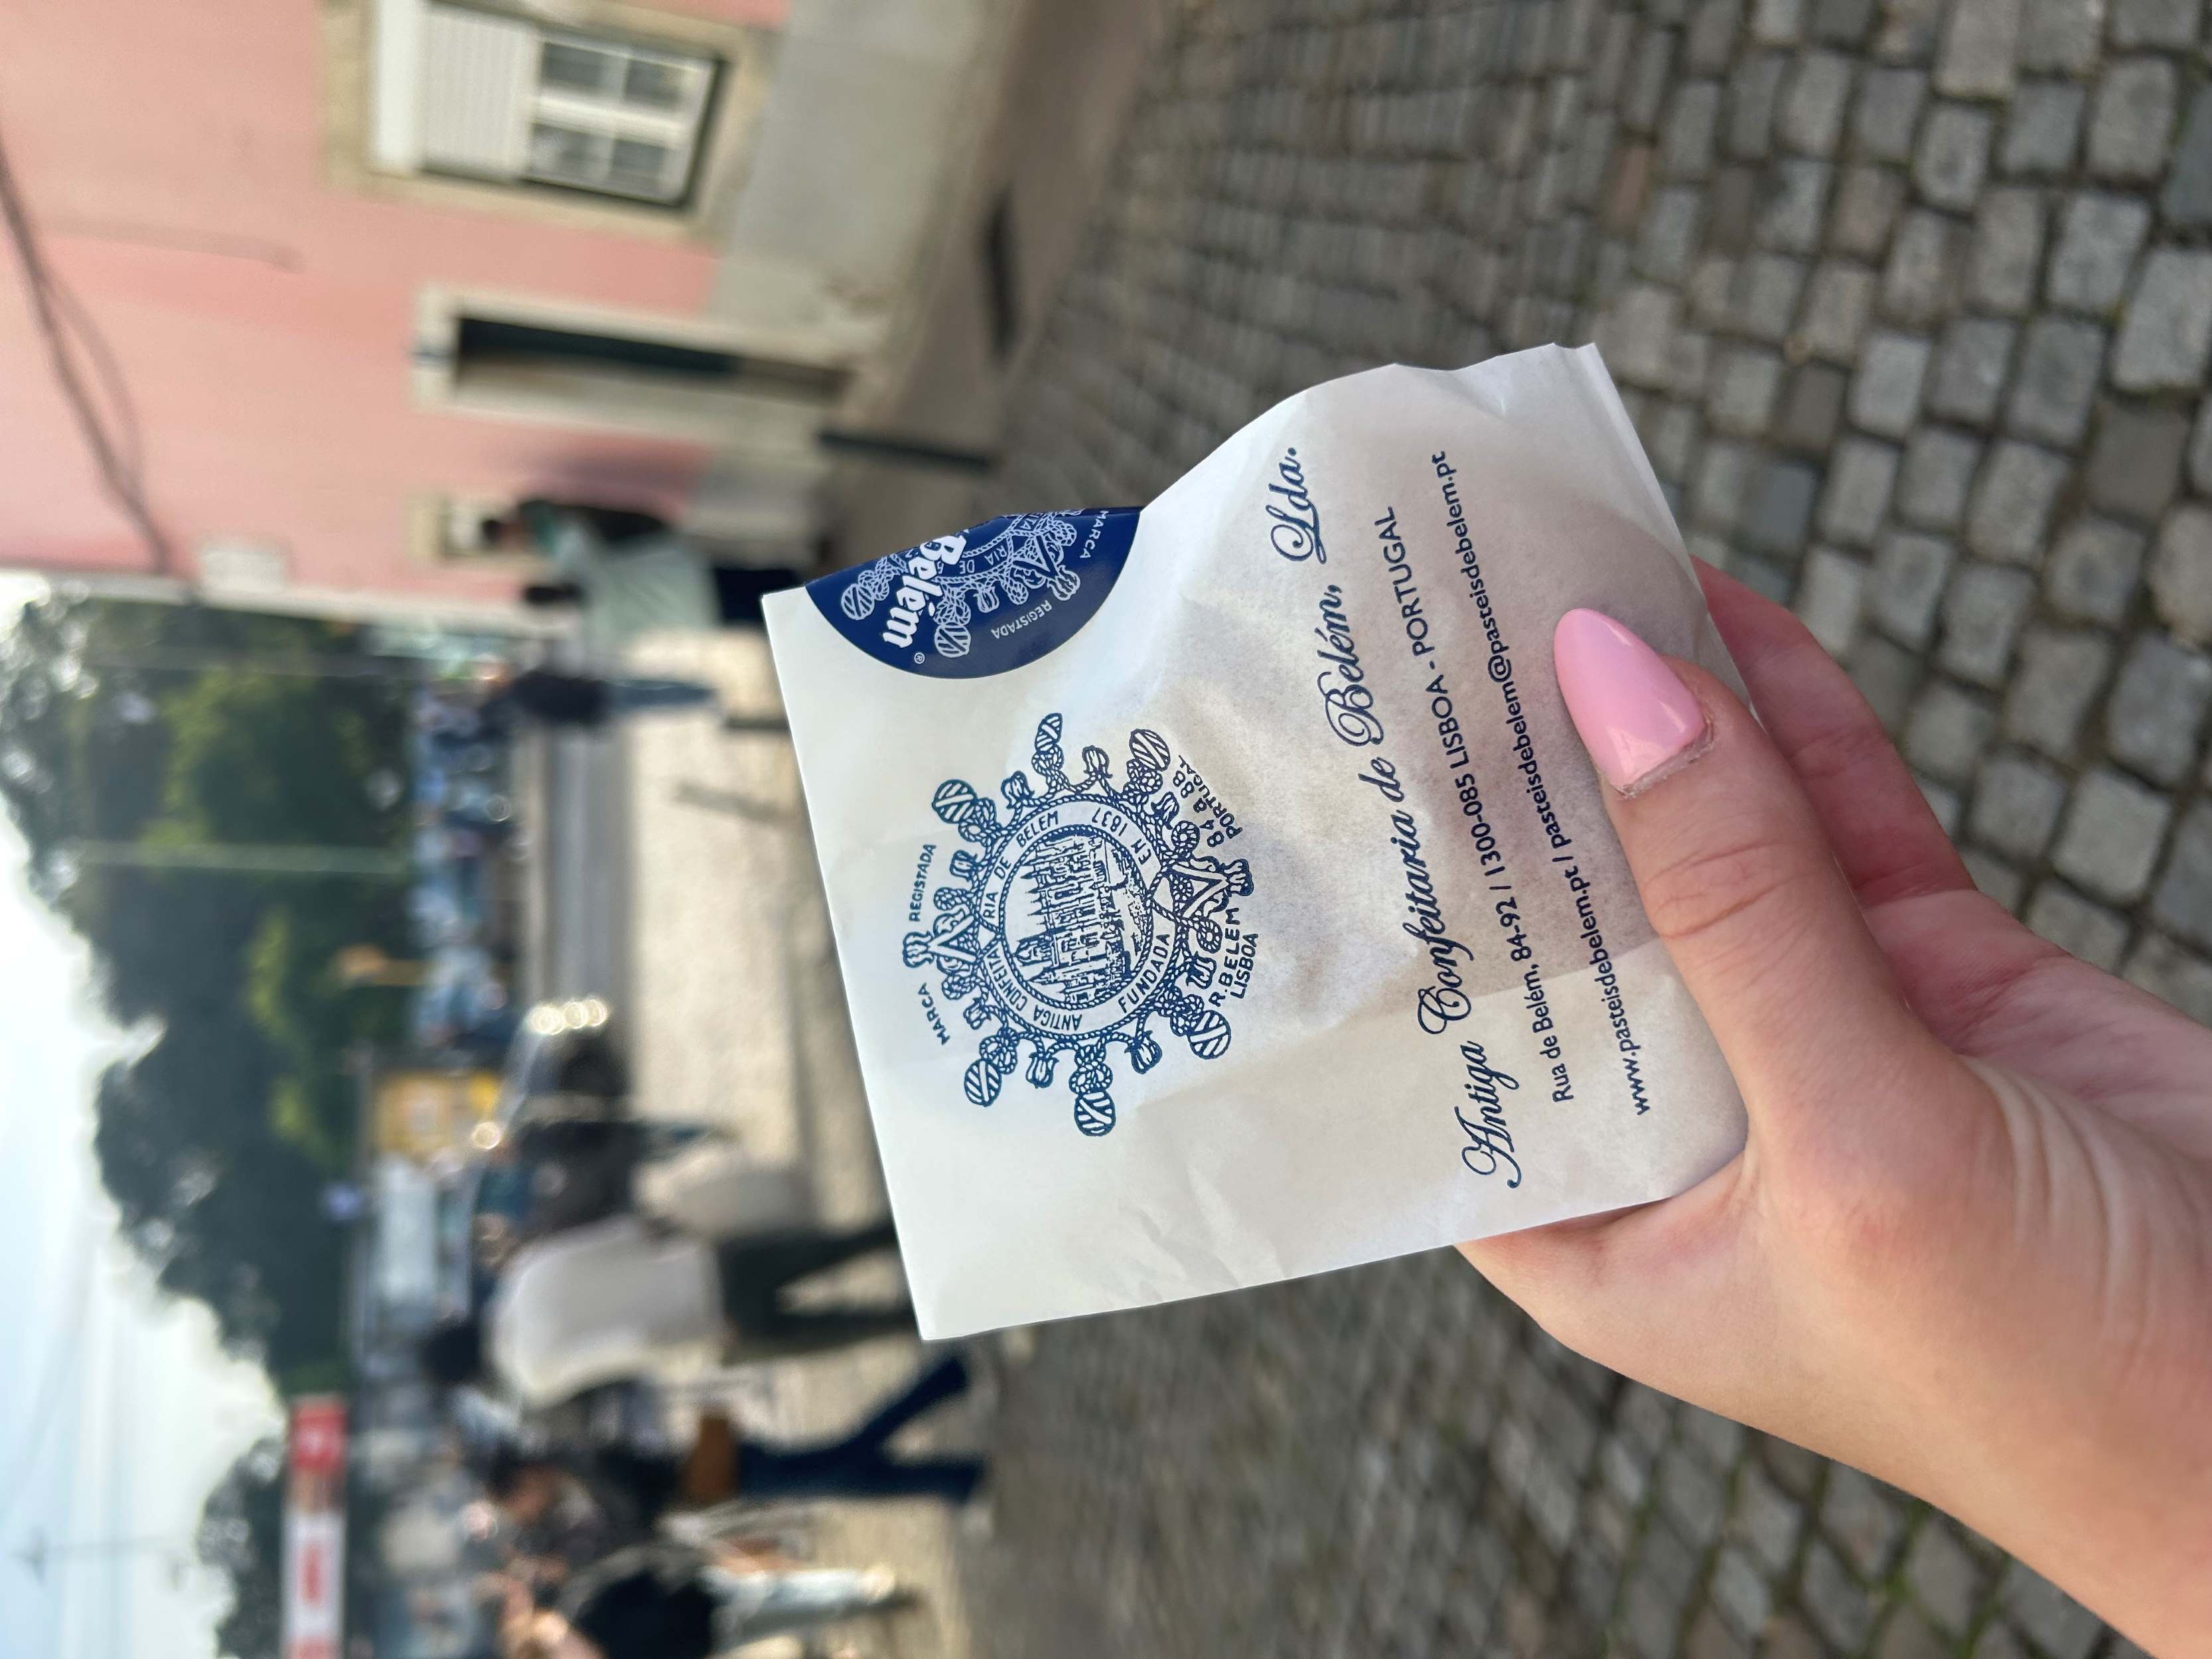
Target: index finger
1877 823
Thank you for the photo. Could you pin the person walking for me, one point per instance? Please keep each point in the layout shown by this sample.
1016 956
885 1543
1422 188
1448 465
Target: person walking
619 1486
622 1299
861 1464
670 1601
632 572
584 702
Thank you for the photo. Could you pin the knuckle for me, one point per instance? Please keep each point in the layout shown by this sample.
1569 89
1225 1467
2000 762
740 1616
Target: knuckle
1843 750
1745 888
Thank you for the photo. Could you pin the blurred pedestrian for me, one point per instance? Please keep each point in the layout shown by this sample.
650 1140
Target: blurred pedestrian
552 696
575 1518
670 1601
632 572
620 1299
860 1464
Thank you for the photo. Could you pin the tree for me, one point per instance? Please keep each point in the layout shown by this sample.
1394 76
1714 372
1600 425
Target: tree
132 723
242 1535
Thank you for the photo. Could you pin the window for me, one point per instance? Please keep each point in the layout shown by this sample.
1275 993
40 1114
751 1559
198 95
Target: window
618 118
610 371
500 97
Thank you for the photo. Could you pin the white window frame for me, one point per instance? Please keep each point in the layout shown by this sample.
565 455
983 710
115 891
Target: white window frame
683 133
609 121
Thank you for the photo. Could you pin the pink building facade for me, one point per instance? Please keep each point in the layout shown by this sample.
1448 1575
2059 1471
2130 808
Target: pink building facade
344 256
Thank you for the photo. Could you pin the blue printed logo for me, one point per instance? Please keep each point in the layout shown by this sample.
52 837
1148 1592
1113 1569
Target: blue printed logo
1082 914
983 601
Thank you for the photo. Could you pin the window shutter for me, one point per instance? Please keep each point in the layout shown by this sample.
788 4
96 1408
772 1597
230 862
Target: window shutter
479 77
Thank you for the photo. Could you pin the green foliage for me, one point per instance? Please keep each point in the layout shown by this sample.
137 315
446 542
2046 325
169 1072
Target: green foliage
127 723
242 1535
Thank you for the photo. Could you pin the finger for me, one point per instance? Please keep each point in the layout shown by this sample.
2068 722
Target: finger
1737 878
1879 825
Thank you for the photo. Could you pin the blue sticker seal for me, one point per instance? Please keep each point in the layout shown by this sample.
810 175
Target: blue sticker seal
1080 912
985 600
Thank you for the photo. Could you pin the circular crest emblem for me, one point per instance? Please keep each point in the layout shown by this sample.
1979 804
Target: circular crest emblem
1080 915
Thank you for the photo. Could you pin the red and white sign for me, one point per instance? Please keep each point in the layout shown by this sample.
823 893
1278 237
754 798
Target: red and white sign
314 1530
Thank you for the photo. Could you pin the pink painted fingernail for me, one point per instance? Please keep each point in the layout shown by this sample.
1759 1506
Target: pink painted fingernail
1633 713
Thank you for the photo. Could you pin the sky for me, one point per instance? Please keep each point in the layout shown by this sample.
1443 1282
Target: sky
119 1411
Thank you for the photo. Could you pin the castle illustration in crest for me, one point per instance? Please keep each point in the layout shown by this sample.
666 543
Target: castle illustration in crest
1079 951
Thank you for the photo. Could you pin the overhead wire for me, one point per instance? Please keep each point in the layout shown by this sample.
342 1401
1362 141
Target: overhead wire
69 331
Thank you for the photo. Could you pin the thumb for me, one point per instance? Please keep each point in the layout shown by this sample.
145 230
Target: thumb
1737 878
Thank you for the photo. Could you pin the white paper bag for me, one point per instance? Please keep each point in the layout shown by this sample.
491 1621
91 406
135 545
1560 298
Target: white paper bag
1222 892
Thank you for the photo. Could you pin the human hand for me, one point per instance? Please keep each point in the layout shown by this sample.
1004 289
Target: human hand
1967 1246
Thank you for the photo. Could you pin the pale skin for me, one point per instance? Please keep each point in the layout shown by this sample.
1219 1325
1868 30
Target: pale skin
1968 1245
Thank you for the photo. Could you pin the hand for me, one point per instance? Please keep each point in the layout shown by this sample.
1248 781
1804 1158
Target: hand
1968 1245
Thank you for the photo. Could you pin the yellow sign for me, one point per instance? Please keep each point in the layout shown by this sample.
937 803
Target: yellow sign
421 1114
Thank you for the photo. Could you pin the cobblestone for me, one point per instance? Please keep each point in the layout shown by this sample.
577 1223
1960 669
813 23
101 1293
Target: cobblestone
1860 479
1994 876
1918 283
1812 408
2043 132
1889 676
2174 972
1906 1635
2136 467
2158 707
1910 573
1982 617
2010 514
2167 336
2007 251
1868 200
1939 471
1781 510
1946 1579
1841 1610
2169 23
1792 221
2094 569
1970 366
1949 729
1913 303
1981 40
2183 902
1836 311
1814 105
1888 110
2131 118
2060 674
2059 34
2077 925
2058 1625
2058 365
1863 1518
1953 156
2016 806
2110 842
2181 574
2099 236
2187 200
1886 394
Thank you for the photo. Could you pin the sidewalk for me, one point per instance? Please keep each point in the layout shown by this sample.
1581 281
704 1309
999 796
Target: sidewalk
737 1015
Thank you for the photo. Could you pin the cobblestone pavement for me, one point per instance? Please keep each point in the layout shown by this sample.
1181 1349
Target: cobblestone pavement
1913 306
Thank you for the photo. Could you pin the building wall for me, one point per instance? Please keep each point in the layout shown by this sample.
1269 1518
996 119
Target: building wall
174 157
